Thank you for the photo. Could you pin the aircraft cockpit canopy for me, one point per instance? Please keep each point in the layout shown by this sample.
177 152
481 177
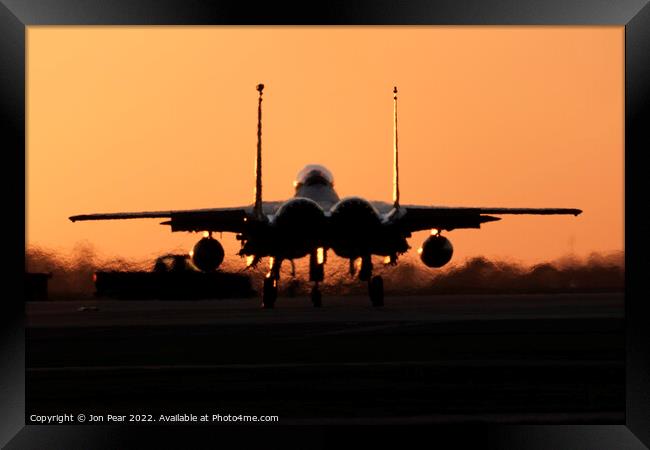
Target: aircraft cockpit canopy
314 174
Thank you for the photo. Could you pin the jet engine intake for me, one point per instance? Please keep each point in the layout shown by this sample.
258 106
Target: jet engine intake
355 227
355 213
300 215
298 228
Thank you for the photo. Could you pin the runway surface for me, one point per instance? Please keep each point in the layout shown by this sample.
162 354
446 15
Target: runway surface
454 358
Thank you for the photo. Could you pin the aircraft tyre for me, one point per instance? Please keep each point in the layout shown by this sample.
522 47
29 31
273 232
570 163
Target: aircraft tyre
269 293
376 290
316 296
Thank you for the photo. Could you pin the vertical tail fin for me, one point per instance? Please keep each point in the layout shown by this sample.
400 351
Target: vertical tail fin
395 153
257 210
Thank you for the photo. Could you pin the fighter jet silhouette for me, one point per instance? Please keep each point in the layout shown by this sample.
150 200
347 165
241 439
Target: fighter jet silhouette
316 220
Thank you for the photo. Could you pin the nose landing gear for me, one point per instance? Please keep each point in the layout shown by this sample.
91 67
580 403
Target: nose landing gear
317 260
270 287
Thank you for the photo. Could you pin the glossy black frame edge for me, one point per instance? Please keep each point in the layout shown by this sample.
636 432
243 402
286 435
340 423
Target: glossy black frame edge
16 15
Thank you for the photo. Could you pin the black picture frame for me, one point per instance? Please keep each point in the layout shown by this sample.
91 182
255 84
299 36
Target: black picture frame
16 15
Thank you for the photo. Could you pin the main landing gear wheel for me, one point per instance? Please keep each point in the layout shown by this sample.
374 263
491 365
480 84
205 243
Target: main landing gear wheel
316 297
376 290
269 293
365 272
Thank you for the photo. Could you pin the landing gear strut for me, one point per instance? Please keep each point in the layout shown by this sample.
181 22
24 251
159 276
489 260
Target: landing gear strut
316 297
269 293
375 284
270 289
293 283
316 274
365 272
376 290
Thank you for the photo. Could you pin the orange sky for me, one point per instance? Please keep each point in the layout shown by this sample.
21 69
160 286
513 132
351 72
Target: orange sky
156 118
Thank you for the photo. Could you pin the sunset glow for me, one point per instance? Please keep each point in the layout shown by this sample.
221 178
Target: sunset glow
164 118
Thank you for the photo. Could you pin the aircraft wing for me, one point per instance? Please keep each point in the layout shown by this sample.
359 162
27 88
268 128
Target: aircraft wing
417 218
213 219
